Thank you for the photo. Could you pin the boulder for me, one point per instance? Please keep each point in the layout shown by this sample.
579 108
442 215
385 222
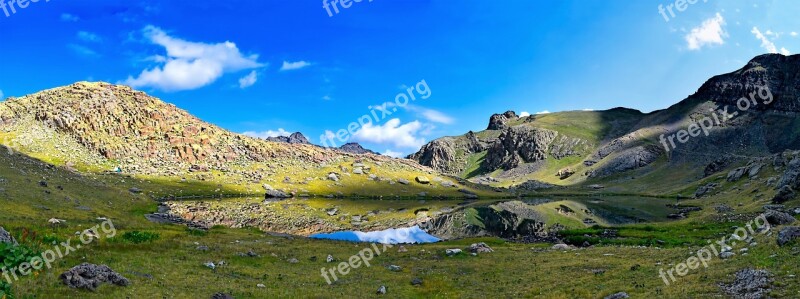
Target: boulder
277 194
778 218
452 252
620 295
403 181
479 248
749 283
5 237
333 177
705 190
784 194
788 235
422 180
90 276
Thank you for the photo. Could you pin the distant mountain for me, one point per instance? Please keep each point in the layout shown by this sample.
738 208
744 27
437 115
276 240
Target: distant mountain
612 146
355 148
295 138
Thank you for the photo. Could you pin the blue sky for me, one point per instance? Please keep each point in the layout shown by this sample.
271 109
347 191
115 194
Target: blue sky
265 67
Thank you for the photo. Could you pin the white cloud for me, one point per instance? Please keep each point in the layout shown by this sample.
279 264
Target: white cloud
392 133
766 43
428 114
793 33
289 66
524 114
81 50
88 37
393 154
542 112
248 80
709 33
190 65
326 97
1 95
266 134
69 18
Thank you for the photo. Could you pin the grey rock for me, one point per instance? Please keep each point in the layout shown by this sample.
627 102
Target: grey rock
620 295
749 284
452 252
778 218
480 248
5 237
333 177
395 268
726 255
89 277
276 194
785 193
788 235
403 181
381 290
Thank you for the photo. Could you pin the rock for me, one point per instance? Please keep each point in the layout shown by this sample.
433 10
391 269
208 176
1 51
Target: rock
416 282
43 184
749 283
89 277
736 174
778 218
295 138
775 207
395 268
135 190
565 173
293 261
221 296
480 248
705 190
333 177
267 187
355 148
785 193
402 249
358 170
518 145
210 265
452 252
791 177
726 255
499 121
422 180
596 186
561 247
5 237
329 259
332 212
620 295
276 194
403 181
381 290
788 235
261 286
202 248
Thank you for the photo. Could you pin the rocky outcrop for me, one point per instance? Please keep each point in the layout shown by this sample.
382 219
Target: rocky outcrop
5 237
778 218
89 277
438 154
518 145
629 159
295 138
788 235
506 220
355 148
749 284
500 121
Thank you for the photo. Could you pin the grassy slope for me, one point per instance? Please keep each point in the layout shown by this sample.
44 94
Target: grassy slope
513 270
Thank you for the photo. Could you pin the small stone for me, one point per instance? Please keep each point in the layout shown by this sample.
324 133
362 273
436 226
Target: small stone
381 290
261 285
210 265
395 268
416 282
329 259
452 252
293 261
620 295
726 255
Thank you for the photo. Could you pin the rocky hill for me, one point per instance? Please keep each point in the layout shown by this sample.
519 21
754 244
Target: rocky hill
612 146
98 127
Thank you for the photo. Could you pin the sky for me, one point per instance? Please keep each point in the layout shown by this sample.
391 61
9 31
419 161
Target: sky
417 70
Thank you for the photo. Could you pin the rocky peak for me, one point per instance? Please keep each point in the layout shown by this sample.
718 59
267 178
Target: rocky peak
499 121
294 138
355 148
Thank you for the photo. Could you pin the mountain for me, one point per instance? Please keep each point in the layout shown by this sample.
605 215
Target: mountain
96 127
293 138
685 143
355 148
